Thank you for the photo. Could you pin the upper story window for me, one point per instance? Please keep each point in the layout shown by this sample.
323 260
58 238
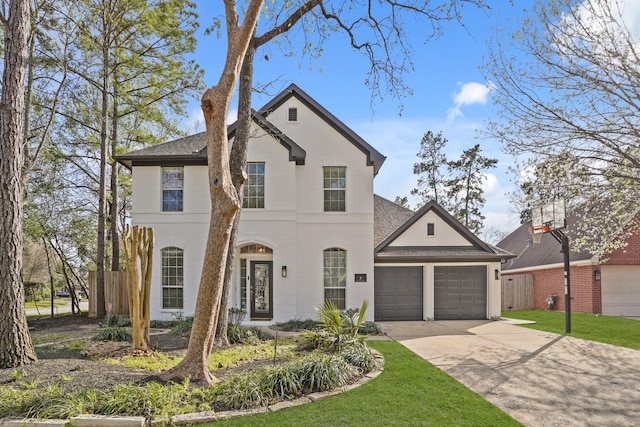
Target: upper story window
431 229
335 276
335 185
172 277
253 196
172 188
293 115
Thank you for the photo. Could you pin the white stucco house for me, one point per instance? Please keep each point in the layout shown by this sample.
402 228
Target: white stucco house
311 228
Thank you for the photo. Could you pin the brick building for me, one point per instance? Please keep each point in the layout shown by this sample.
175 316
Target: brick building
610 287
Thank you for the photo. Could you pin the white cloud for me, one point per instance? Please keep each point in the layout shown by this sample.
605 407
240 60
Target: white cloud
468 94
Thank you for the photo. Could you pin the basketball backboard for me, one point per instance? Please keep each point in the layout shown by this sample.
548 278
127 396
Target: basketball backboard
548 217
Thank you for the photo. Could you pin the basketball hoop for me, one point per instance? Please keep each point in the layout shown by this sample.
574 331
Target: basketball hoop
537 232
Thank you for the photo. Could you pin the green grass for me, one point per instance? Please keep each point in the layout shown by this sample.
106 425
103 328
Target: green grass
46 304
226 358
606 329
410 392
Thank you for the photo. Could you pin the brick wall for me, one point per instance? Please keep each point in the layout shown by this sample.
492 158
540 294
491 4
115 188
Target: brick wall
585 291
629 255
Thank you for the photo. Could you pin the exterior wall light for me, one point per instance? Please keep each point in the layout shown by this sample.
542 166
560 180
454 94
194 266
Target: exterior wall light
284 271
497 274
597 275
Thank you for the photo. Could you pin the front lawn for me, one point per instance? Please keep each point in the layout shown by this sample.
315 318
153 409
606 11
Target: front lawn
410 392
606 329
46 304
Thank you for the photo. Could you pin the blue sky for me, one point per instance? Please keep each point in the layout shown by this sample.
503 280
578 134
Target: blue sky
449 95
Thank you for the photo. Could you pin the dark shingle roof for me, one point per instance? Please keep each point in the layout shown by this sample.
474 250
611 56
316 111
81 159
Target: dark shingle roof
189 149
387 218
529 254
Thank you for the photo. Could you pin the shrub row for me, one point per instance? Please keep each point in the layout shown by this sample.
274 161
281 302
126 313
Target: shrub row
313 373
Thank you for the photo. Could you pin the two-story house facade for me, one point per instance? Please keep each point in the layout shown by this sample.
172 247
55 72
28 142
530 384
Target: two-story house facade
306 231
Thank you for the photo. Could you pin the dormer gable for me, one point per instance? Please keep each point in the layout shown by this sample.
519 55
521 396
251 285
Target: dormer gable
431 225
431 234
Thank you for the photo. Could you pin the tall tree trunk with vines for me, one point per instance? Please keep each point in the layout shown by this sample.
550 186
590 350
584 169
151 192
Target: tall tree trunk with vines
16 348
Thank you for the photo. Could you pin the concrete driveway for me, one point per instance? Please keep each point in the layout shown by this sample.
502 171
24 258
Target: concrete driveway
539 378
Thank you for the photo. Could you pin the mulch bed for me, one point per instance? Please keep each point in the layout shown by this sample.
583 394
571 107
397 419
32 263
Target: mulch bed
75 370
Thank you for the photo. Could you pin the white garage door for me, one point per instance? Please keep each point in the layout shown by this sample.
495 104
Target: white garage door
620 290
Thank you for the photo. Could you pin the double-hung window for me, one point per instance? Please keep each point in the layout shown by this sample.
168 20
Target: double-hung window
172 189
335 187
335 276
172 277
253 196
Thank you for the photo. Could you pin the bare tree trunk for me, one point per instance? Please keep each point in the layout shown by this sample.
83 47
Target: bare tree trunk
115 236
102 190
16 348
238 166
224 198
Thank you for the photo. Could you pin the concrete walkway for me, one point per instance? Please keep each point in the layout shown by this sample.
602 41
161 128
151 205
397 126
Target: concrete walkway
539 378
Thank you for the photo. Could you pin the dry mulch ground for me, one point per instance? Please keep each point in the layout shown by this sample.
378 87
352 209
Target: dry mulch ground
81 369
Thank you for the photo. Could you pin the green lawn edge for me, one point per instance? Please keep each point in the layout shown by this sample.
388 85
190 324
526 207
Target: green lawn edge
410 392
612 330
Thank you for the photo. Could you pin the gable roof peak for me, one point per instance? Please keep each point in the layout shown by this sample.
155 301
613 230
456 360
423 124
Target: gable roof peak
374 157
432 206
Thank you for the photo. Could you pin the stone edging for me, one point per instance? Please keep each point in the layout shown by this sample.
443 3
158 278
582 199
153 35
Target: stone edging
188 419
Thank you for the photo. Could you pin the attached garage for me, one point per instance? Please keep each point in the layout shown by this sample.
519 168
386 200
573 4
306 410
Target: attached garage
428 266
398 293
620 290
460 292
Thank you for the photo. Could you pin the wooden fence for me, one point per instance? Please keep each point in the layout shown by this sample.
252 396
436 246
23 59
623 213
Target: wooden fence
517 292
115 290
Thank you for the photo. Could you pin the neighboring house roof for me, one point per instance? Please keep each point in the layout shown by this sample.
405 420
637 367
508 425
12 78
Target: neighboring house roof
374 157
384 252
192 150
388 216
529 254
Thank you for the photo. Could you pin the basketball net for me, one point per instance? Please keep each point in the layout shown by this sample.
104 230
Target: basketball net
537 232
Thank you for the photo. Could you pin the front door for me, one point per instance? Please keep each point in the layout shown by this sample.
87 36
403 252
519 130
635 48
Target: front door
261 290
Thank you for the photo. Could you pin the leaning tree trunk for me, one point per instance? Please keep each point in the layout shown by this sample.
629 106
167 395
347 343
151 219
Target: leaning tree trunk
224 198
138 248
238 166
16 348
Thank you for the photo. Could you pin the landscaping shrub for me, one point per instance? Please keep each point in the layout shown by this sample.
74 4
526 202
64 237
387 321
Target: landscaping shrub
319 372
118 320
316 372
243 391
237 333
360 356
151 400
297 325
336 328
369 328
182 326
113 334
54 402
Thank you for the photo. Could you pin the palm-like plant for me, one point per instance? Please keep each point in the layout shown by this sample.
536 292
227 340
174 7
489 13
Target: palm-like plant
337 328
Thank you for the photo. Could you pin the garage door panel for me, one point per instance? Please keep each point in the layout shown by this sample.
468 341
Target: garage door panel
460 292
620 290
398 293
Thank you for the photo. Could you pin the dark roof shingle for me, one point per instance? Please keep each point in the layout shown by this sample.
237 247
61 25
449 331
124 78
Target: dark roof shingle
387 218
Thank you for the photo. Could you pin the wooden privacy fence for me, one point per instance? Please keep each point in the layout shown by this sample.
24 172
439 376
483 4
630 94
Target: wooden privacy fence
115 290
517 292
